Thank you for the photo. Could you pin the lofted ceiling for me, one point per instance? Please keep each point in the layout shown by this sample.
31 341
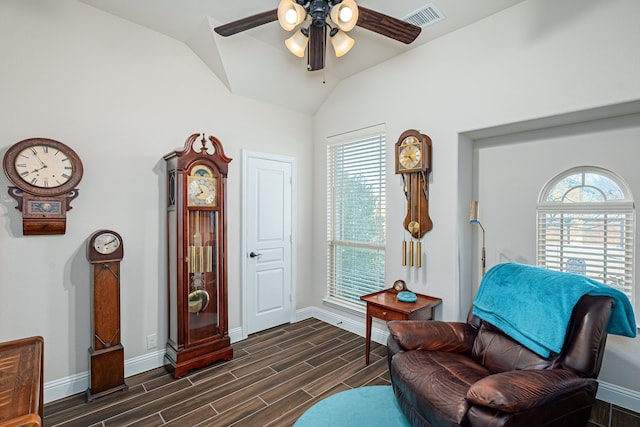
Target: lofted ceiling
256 64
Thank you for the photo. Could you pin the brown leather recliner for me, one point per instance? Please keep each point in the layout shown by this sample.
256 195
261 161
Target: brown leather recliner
472 374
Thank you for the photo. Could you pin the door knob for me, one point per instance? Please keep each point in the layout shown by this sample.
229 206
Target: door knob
253 255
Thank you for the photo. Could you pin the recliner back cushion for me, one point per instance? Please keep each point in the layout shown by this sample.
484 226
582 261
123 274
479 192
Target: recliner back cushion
584 348
499 353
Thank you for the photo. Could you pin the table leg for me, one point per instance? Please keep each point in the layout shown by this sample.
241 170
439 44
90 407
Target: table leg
368 338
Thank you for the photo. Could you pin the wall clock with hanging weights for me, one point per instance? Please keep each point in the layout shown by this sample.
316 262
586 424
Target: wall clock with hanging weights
413 163
45 173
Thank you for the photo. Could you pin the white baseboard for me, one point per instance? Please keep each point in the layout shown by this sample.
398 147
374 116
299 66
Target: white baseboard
620 396
358 327
78 383
74 384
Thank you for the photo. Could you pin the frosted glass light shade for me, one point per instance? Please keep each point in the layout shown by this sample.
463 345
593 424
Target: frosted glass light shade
345 15
297 43
290 14
342 43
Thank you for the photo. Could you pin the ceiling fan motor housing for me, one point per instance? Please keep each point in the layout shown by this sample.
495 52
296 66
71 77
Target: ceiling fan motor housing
319 10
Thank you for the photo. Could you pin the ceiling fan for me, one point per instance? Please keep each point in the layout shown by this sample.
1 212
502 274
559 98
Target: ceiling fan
316 19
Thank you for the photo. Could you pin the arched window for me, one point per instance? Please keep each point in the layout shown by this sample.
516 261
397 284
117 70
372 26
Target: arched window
586 222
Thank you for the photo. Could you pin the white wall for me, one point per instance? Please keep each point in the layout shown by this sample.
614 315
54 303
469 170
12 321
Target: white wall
541 58
122 97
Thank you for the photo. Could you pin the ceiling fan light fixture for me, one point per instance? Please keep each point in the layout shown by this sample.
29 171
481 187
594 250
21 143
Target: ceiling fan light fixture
345 15
290 14
297 43
341 42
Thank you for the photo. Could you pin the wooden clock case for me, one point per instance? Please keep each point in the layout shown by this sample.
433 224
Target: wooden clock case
106 355
197 256
42 199
416 183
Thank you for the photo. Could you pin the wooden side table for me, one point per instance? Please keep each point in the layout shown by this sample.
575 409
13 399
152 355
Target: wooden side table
21 382
384 305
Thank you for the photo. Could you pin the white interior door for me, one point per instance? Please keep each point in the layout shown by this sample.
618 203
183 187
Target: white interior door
267 211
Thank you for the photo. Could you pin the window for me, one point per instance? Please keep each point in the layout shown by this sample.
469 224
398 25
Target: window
586 224
355 215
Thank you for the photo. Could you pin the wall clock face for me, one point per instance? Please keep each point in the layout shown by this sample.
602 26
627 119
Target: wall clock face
410 156
106 243
411 153
43 167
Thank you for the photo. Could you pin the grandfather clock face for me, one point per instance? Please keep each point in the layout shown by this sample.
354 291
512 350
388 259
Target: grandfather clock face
202 189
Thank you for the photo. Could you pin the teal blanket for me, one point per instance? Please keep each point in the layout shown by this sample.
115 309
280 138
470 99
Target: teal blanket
533 305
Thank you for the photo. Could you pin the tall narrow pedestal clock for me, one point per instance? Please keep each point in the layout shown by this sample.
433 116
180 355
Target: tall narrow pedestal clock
197 238
106 355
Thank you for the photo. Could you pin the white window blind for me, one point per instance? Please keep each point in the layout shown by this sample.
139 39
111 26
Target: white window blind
355 215
586 225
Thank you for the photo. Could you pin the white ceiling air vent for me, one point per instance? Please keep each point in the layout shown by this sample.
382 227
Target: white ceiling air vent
424 16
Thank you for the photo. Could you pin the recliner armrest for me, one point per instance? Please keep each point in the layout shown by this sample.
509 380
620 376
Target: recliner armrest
515 391
433 335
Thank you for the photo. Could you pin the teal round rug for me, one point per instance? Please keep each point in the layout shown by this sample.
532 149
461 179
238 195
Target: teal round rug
364 406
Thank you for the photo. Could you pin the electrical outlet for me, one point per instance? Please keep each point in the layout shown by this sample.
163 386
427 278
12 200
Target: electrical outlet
152 341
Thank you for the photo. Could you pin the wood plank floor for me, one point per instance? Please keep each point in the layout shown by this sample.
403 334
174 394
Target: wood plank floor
274 377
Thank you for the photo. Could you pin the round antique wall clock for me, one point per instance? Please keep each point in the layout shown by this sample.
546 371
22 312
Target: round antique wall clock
43 167
45 173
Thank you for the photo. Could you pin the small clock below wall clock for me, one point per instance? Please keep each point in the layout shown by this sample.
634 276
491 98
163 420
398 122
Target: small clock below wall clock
45 174
105 251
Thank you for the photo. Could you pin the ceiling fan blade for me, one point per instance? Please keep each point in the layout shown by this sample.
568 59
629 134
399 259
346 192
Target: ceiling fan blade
386 25
247 23
317 42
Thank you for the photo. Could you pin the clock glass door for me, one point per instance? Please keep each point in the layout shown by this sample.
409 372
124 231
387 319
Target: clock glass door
202 266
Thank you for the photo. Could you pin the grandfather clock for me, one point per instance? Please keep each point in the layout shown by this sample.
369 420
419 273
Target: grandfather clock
197 252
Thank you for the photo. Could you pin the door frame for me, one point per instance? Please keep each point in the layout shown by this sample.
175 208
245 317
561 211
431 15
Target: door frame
246 155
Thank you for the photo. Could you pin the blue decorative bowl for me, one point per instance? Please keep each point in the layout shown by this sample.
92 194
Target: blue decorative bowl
407 296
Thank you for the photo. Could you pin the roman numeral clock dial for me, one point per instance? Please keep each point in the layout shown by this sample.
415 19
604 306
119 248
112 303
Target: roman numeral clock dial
43 167
45 173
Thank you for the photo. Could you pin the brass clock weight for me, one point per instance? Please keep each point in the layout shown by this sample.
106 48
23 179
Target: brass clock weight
45 173
413 162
